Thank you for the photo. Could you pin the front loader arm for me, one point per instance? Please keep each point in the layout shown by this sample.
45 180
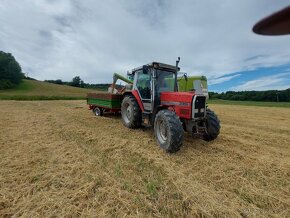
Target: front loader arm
117 76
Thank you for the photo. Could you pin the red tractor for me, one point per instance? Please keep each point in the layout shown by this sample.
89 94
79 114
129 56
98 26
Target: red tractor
154 100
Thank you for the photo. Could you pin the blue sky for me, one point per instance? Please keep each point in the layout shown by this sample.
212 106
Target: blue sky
60 39
263 78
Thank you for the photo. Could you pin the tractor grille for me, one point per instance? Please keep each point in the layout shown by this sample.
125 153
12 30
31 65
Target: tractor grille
198 107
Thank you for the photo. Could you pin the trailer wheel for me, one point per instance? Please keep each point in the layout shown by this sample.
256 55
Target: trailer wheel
131 113
168 131
98 111
212 126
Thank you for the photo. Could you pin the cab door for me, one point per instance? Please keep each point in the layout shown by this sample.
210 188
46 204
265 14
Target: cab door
143 86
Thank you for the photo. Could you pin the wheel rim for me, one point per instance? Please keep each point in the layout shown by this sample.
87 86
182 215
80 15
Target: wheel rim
127 113
97 111
161 131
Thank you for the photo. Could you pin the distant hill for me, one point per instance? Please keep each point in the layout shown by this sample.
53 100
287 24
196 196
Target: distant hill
37 90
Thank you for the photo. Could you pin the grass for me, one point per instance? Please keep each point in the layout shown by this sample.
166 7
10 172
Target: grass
251 103
37 90
58 159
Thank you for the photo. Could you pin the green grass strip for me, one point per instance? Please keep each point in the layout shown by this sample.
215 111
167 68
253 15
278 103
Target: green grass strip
38 98
251 103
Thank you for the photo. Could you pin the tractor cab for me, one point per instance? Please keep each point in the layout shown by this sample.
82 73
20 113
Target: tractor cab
151 80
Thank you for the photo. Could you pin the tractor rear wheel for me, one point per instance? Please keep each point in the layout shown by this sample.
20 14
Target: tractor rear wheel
131 113
98 111
168 131
212 126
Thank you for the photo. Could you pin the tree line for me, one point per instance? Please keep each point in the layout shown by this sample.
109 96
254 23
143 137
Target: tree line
269 95
78 82
10 71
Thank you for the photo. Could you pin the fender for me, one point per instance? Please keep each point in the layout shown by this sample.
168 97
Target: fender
136 95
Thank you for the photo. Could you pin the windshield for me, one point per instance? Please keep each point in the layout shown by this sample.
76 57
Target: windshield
165 81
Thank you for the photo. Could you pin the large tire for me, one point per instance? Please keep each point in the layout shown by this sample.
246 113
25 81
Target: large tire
168 131
98 111
212 126
131 113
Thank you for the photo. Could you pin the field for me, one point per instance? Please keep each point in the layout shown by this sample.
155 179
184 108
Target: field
37 90
251 103
57 159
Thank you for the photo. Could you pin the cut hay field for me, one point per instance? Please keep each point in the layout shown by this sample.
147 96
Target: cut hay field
57 159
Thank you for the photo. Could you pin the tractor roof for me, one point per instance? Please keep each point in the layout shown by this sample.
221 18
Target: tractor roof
157 65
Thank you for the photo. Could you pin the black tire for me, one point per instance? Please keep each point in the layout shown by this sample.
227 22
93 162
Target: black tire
98 111
212 126
131 113
168 131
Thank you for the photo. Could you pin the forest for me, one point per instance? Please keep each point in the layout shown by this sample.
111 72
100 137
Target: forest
268 95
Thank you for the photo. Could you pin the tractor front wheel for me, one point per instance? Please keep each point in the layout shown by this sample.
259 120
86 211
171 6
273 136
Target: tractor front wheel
131 113
212 126
168 131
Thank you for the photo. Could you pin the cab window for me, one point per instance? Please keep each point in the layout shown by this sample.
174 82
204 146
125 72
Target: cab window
165 81
143 85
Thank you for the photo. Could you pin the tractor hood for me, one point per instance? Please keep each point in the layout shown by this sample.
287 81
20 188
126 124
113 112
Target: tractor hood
176 98
186 105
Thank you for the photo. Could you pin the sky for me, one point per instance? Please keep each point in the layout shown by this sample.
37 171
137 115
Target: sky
60 39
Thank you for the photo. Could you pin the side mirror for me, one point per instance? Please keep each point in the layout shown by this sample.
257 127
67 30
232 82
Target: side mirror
145 69
185 76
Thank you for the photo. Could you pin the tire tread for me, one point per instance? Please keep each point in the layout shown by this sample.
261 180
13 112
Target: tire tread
176 130
213 126
137 119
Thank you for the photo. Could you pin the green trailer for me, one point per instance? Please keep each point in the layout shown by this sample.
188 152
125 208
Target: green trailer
192 83
108 101
104 102
189 83
198 84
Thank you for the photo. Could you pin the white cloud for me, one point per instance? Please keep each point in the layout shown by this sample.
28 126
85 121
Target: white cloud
62 38
279 81
214 81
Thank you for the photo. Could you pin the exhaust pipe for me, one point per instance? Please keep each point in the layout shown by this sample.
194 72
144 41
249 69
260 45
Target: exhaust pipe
176 70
